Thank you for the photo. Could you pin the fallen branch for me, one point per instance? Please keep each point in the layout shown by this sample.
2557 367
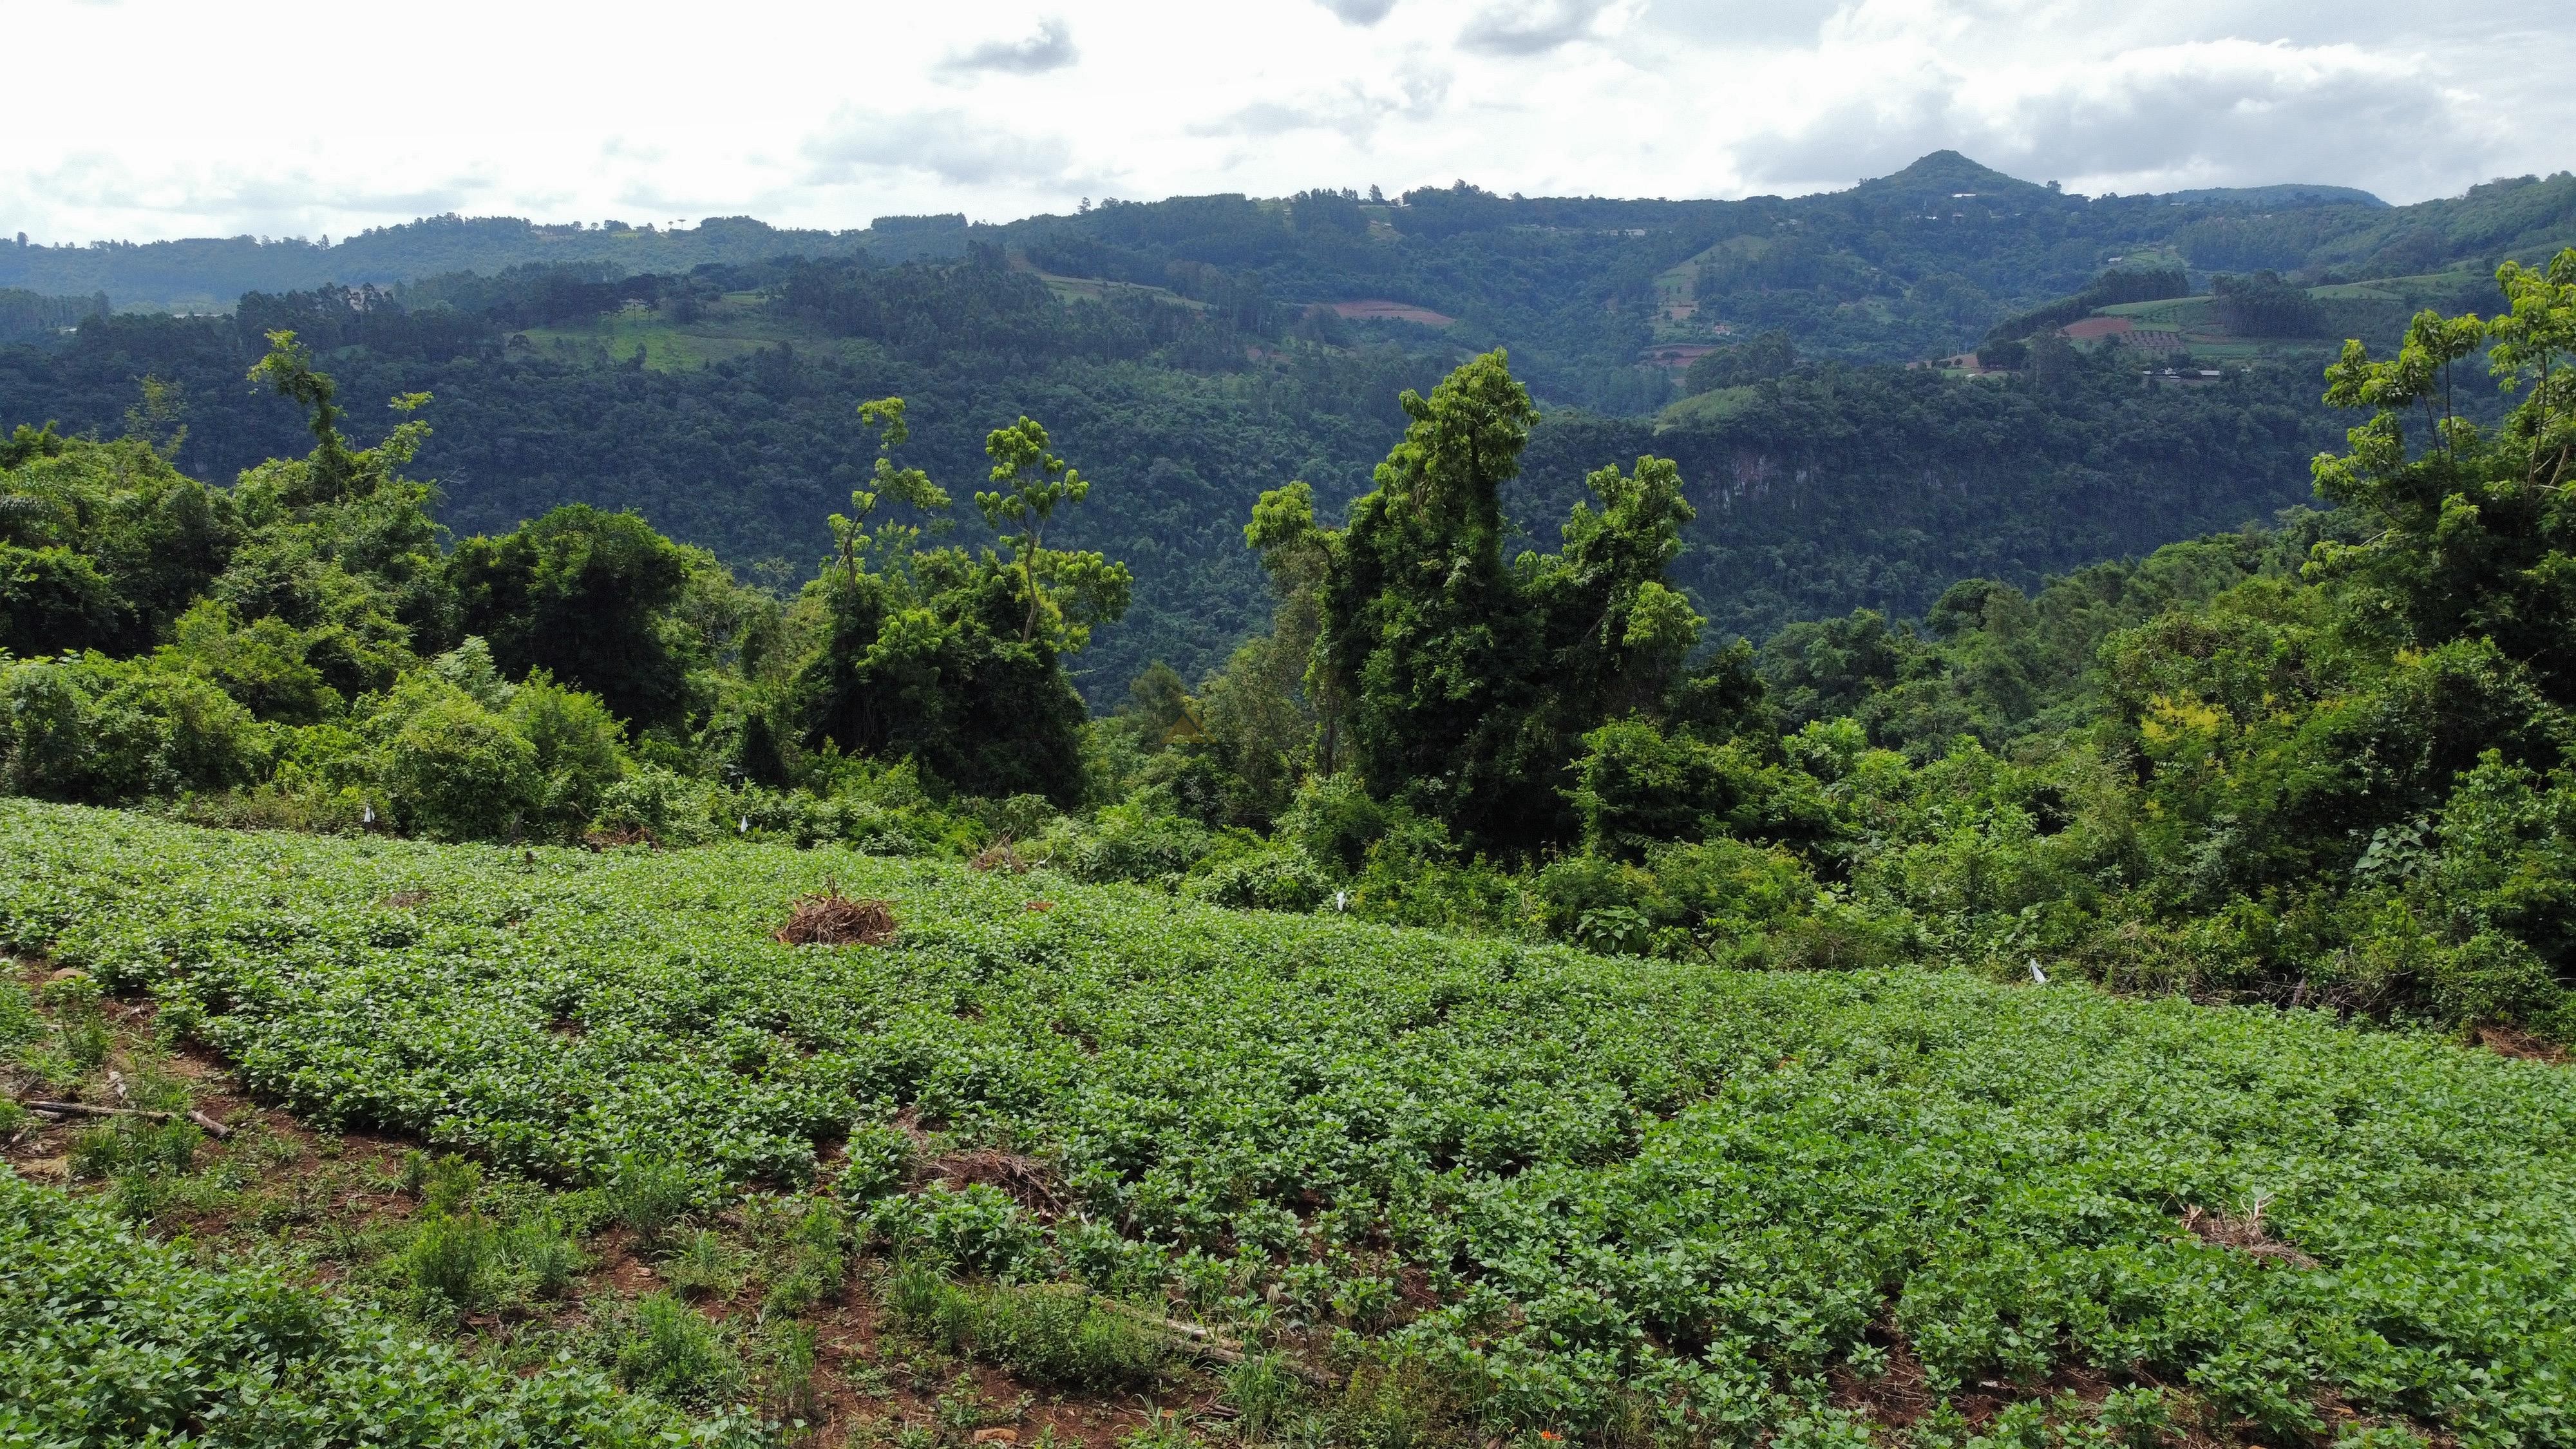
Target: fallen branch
213 1128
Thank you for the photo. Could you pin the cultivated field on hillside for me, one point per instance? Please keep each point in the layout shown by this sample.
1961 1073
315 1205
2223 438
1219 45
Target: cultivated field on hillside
1388 1186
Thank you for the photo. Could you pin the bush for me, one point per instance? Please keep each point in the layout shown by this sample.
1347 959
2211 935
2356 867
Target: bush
52 599
1271 878
451 769
105 731
578 747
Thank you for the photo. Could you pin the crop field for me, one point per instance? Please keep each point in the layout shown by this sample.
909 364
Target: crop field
1415 1190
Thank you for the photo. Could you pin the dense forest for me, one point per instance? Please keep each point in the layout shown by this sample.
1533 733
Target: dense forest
1821 487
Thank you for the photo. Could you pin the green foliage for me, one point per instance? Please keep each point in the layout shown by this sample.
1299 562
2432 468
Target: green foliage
587 597
1053 1334
1563 1148
1464 681
678 1357
2470 531
95 729
108 1338
953 659
648 1195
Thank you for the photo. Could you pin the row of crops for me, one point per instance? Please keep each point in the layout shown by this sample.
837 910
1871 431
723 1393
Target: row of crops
1589 1192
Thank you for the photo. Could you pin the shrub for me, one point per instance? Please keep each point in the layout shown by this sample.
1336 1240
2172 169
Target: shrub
579 750
1272 878
105 731
455 771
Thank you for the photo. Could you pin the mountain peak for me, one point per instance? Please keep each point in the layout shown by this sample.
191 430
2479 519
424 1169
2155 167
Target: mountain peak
1949 173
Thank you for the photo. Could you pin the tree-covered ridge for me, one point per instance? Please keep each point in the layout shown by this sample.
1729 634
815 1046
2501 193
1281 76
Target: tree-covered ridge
1908 265
1818 486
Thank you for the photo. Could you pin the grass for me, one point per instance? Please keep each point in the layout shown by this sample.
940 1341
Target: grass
1717 405
734 327
1549 1191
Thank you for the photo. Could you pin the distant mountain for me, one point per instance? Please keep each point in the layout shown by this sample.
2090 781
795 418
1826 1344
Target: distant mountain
1947 174
2288 195
2028 242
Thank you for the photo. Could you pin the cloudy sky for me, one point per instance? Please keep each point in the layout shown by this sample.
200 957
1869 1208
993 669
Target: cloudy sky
142 119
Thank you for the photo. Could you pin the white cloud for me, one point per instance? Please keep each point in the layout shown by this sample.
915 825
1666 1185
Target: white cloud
1359 12
1530 27
948 144
1048 47
818 115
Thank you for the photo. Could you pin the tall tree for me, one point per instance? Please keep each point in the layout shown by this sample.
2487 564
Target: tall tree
1467 683
955 659
2474 532
586 596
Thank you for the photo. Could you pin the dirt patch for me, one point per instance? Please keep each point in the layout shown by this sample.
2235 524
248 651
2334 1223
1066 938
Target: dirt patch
2522 1046
1676 354
404 900
2093 329
1026 1180
2244 1232
1380 309
833 919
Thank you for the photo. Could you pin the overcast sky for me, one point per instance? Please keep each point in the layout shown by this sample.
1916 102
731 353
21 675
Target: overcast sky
143 119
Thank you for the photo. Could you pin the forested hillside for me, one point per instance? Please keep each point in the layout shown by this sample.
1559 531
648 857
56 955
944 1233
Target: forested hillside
1819 490
1192 353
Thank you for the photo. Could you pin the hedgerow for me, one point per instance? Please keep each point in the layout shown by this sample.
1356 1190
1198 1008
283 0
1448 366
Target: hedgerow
1581 1191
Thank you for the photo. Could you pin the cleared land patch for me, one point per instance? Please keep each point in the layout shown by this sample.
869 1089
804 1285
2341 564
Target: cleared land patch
1379 309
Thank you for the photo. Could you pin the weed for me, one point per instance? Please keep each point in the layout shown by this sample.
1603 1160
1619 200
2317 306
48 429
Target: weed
964 1405
452 1261
1263 1394
676 1356
703 1267
787 1353
549 1259
1162 1430
1050 1334
648 1195
135 1145
450 1186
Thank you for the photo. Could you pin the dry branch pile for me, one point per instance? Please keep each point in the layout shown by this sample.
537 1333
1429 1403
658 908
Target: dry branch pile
833 919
